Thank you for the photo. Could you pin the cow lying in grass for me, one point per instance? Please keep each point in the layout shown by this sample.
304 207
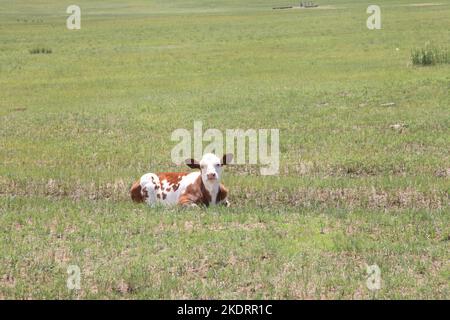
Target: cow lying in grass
187 189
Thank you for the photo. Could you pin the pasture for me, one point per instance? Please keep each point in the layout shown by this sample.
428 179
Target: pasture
364 149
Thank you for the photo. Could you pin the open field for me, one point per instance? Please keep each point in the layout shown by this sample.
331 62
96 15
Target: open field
364 143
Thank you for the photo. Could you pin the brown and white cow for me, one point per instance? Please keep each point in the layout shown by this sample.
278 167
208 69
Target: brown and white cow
187 189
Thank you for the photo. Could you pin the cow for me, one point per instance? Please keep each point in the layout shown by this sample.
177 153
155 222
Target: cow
187 189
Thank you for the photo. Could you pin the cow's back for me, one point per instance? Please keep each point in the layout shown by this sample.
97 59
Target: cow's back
162 188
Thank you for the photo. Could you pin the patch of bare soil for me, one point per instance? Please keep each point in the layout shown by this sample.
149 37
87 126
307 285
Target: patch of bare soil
326 7
358 197
361 197
425 4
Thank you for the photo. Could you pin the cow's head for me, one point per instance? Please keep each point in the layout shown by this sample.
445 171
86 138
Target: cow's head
210 166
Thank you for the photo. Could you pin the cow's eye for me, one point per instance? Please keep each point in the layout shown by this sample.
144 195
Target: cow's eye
217 164
202 166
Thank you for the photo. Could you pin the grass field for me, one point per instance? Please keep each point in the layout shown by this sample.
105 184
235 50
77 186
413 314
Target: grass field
364 143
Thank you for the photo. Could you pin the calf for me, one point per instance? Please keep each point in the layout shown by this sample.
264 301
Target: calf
187 189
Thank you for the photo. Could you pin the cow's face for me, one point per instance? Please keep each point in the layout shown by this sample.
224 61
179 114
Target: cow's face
210 166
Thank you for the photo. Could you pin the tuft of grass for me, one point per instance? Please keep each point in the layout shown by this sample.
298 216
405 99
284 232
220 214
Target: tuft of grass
40 51
430 55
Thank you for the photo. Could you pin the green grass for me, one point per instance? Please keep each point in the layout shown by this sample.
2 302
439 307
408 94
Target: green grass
130 251
79 125
40 51
430 55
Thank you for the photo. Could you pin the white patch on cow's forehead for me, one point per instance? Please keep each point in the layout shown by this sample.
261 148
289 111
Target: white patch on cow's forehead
210 158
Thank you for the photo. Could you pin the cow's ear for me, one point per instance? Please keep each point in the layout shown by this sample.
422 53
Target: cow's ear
227 158
192 163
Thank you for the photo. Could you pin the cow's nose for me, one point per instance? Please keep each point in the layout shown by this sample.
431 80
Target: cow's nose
211 176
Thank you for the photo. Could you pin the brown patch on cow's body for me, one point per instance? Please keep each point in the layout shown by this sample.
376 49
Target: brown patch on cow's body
172 178
144 193
196 193
135 192
222 194
173 182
